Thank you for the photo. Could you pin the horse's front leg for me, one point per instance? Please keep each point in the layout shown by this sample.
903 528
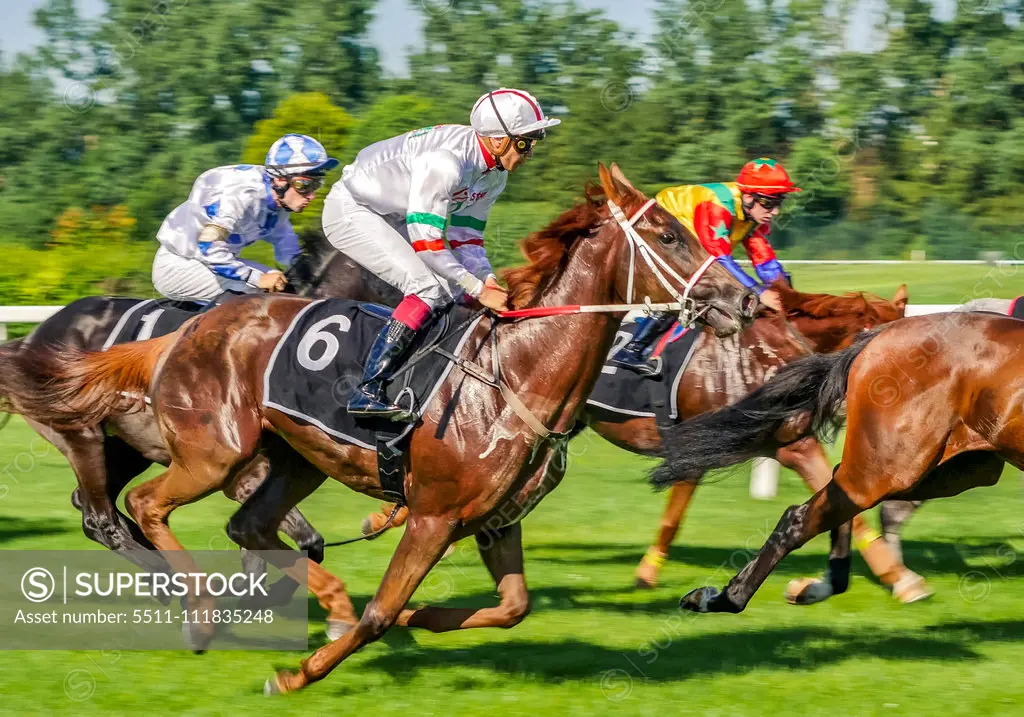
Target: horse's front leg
420 548
502 553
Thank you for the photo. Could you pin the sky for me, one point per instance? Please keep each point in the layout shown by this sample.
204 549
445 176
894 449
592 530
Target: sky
396 27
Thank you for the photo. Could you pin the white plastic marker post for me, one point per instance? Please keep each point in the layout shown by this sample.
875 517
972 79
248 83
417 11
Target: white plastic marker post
764 479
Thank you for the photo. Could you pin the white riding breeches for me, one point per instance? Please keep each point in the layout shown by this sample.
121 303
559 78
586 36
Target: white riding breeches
381 246
184 279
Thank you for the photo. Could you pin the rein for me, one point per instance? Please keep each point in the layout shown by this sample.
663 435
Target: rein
686 306
369 536
793 332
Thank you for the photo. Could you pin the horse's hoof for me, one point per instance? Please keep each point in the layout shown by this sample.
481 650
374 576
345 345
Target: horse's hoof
807 591
283 682
649 567
449 552
699 599
271 687
911 588
196 639
337 628
643 583
367 527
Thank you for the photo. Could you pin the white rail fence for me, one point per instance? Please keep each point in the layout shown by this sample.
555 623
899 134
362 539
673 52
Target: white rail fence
764 477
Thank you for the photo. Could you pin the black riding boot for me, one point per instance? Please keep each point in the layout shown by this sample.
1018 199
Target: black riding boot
648 329
384 359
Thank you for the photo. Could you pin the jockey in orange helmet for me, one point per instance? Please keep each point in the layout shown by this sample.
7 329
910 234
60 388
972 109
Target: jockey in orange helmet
722 215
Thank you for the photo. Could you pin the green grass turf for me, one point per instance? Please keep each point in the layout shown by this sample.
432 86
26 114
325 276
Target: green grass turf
593 645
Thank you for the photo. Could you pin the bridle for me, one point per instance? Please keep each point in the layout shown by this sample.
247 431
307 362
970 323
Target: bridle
684 303
687 307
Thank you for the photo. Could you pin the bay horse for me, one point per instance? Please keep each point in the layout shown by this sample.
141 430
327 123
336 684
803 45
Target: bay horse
106 457
205 382
932 406
721 372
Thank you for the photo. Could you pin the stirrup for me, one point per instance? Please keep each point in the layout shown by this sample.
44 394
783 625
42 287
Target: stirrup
638 364
364 403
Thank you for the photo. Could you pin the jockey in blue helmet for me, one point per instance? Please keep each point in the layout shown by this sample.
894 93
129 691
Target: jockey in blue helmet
228 209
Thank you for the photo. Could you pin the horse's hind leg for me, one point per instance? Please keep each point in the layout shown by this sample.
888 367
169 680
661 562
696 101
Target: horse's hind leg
502 553
893 514
909 587
808 459
101 520
254 526
827 509
294 523
421 546
671 519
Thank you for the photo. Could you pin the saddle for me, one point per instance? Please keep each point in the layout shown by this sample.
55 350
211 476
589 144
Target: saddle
150 318
1017 308
318 362
622 395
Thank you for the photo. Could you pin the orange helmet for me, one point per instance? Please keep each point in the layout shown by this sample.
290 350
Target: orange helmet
765 176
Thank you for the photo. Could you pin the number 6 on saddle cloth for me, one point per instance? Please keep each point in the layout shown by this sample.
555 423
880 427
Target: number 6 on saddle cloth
317 364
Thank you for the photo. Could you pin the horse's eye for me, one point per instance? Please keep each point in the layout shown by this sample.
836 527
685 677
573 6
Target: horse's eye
667 238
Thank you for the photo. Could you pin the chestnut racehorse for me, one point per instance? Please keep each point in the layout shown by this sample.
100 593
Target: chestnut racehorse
475 465
933 407
722 372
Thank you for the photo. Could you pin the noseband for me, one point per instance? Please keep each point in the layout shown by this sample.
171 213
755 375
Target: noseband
687 307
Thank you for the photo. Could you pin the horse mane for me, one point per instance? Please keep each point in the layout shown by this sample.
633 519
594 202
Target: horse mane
316 252
852 306
547 250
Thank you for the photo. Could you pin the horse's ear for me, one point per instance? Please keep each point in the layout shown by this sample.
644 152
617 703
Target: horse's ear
900 299
607 183
620 178
616 186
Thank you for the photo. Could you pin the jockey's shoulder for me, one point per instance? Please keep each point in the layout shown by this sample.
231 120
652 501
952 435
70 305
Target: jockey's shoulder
685 197
245 181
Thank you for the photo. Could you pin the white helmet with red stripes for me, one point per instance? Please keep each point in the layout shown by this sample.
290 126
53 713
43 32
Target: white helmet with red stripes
505 112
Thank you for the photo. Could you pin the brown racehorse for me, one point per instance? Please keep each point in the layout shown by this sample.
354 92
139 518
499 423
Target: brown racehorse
933 407
722 372
206 384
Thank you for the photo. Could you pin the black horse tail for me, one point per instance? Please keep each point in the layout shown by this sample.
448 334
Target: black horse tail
805 397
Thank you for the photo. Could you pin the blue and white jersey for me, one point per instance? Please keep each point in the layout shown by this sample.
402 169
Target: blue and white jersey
240 200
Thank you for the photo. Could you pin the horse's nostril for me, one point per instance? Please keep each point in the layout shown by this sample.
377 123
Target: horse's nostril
749 304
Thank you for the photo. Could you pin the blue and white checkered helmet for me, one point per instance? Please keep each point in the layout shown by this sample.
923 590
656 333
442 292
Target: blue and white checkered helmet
296 154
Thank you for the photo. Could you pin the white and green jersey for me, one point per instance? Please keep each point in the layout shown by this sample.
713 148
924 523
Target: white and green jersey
432 178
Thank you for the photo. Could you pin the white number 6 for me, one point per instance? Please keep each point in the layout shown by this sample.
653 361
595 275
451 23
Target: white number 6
316 335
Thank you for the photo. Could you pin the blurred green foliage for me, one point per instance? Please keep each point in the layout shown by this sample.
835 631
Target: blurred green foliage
915 145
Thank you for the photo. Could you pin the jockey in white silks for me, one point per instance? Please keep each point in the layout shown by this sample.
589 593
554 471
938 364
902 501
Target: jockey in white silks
228 209
390 210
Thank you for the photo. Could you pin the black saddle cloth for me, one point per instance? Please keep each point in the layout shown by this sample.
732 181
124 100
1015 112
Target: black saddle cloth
318 362
1017 308
621 394
150 318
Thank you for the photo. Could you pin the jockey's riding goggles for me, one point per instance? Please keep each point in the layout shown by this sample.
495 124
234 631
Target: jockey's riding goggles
769 202
523 143
305 185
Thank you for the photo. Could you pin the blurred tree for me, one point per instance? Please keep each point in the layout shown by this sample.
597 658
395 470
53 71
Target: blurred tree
305 113
393 115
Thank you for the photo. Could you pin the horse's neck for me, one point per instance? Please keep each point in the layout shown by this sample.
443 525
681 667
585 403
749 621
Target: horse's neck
734 366
554 362
823 334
